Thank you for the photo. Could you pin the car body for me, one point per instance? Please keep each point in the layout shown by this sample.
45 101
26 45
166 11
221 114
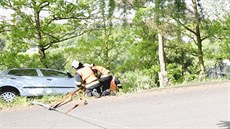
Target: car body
34 82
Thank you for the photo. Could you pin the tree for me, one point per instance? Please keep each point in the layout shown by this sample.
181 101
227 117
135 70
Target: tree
194 22
44 23
223 37
159 10
154 15
100 45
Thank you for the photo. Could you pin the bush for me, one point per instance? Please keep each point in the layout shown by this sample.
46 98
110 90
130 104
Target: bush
137 80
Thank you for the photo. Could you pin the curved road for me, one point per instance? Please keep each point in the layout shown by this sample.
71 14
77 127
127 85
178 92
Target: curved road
203 106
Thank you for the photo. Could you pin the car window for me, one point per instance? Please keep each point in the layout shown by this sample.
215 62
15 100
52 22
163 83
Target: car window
23 72
52 73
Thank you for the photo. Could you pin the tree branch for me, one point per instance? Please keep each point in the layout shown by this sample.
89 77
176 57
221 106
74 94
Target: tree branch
71 17
74 34
205 37
43 6
187 27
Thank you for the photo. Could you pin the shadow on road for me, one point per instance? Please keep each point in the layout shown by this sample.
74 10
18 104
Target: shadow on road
224 124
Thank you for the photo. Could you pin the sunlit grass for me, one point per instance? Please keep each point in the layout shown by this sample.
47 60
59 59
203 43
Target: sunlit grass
26 101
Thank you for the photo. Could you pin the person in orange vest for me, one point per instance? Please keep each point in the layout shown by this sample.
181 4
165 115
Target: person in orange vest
109 88
105 78
85 75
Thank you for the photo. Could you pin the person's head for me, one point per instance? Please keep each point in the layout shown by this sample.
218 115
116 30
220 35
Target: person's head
75 64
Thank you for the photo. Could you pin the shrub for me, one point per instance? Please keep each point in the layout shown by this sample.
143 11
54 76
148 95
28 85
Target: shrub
137 80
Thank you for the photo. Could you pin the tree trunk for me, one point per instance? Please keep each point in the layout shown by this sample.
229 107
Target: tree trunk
200 56
38 36
162 74
163 79
42 53
43 56
198 38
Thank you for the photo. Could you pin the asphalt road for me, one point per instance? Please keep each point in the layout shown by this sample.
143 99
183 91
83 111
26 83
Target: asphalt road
204 106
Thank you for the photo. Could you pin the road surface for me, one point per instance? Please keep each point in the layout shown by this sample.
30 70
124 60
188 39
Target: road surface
203 106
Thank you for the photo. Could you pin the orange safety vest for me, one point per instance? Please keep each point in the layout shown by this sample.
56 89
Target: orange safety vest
87 74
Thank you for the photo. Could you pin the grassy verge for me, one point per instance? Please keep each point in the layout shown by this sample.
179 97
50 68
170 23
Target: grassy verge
26 101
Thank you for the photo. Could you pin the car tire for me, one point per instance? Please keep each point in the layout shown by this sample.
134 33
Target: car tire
8 95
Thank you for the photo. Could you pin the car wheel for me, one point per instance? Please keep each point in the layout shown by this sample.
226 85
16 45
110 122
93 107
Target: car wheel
8 96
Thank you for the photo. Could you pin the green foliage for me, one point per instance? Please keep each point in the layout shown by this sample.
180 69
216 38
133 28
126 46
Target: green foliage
92 48
55 60
177 8
174 73
49 22
224 44
143 53
143 47
8 60
138 80
111 7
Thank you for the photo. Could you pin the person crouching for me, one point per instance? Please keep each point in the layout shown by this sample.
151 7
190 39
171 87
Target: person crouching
85 75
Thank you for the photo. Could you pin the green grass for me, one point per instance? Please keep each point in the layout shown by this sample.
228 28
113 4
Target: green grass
26 101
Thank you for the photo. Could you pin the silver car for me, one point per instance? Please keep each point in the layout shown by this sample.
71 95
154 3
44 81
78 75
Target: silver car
34 82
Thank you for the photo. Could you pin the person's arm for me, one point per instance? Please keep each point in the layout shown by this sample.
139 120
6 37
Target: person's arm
78 80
